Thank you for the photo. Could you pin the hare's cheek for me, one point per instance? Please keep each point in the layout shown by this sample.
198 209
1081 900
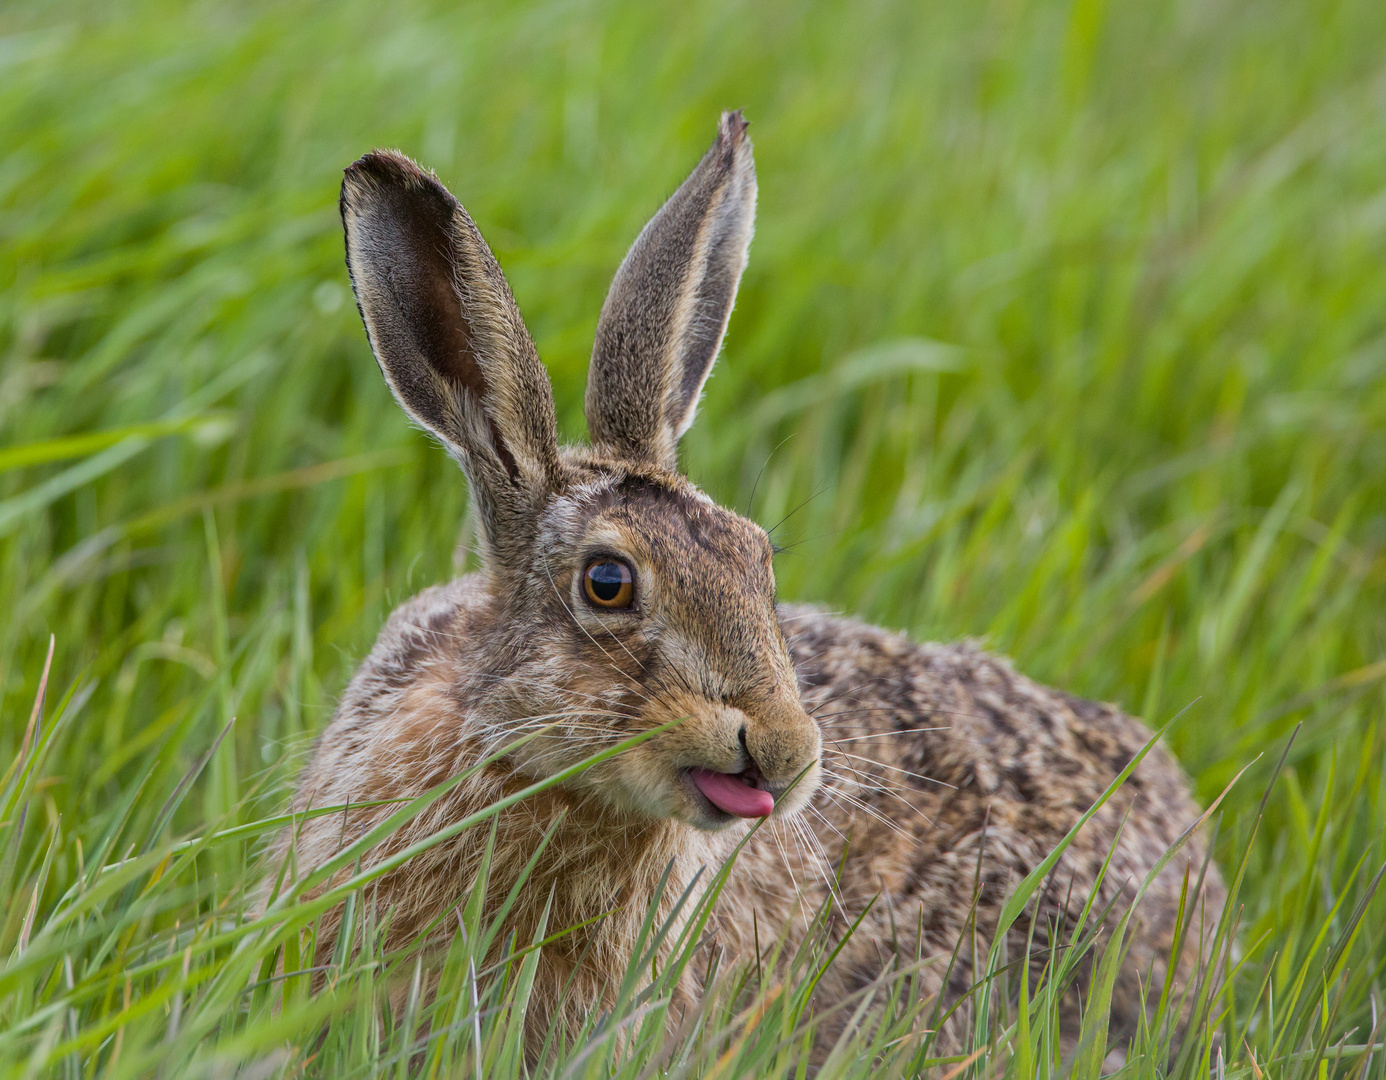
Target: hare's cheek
643 782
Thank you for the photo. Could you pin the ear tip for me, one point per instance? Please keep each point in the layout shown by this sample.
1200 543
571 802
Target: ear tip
733 148
388 183
385 166
732 128
385 170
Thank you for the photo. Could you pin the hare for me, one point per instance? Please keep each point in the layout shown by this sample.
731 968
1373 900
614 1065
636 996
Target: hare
615 597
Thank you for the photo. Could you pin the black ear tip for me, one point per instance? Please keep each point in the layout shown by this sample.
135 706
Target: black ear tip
387 169
732 128
390 175
386 166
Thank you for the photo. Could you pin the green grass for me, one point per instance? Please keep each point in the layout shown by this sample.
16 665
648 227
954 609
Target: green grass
1065 327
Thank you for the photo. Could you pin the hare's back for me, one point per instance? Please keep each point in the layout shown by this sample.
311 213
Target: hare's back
934 754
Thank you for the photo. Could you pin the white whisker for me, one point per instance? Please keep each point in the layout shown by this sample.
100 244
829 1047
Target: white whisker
835 793
884 789
896 768
886 734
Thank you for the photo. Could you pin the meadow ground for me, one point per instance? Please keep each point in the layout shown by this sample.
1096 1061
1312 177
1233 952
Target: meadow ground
1065 327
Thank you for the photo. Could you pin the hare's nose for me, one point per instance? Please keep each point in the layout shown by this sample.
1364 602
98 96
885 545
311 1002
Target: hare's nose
781 742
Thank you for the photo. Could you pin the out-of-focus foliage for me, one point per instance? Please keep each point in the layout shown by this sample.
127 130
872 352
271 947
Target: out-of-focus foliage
1065 326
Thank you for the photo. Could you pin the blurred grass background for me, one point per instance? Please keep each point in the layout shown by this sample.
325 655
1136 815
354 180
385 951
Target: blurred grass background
1065 326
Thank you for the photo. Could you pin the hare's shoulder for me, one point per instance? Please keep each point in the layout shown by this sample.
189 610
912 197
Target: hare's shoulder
400 693
965 717
421 632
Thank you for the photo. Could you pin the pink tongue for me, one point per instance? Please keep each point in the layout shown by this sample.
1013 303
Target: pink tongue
732 794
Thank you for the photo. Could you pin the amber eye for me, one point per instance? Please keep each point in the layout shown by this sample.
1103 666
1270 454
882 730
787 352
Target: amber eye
609 583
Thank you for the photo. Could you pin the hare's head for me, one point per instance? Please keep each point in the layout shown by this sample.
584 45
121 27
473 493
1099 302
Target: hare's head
621 598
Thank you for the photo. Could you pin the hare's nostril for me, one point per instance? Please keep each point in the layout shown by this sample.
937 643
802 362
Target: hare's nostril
751 774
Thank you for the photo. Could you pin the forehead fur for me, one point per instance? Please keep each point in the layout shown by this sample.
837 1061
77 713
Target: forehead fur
665 518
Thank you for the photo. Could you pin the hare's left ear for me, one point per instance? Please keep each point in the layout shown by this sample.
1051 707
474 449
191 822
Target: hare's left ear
451 344
664 318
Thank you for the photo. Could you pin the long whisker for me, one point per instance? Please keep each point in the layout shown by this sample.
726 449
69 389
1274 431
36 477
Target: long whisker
771 531
750 503
836 793
862 710
625 648
931 710
845 692
811 614
826 821
865 783
896 768
585 711
884 734
552 688
784 857
808 840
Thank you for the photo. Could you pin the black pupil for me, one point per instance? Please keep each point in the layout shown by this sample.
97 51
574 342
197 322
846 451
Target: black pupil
607 579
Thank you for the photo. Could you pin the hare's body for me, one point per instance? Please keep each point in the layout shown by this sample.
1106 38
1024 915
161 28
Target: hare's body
616 599
953 775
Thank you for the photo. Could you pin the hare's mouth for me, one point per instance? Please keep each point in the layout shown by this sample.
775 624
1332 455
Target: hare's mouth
729 795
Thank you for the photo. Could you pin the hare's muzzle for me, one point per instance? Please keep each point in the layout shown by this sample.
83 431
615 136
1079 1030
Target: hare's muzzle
771 766
783 745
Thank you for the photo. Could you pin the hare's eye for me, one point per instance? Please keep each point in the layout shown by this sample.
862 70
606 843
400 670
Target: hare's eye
609 583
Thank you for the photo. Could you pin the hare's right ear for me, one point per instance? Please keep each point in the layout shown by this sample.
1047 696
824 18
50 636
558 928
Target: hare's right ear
450 341
667 310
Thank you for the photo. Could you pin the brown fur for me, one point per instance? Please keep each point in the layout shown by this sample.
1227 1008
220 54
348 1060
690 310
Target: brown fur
943 766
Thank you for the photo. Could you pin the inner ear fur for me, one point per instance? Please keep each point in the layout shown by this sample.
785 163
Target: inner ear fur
449 338
663 320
